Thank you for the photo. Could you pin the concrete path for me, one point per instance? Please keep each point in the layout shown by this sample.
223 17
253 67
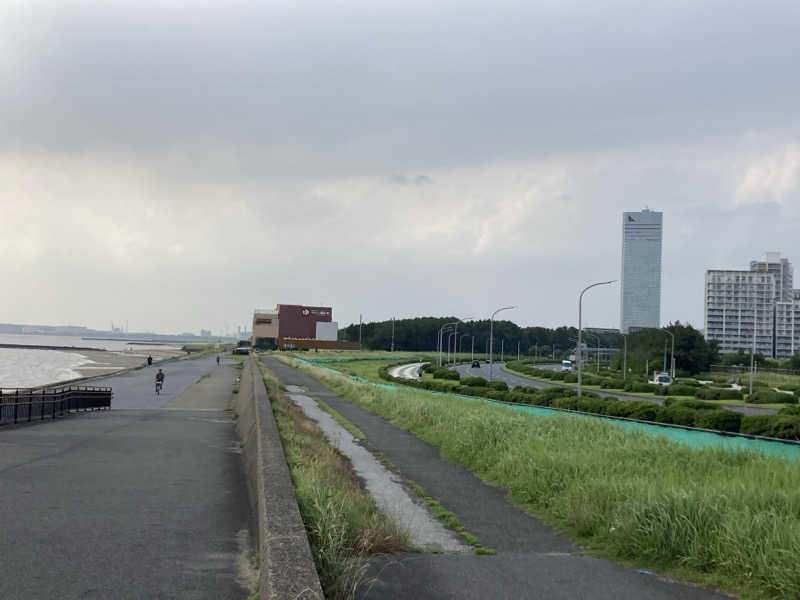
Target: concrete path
532 560
147 500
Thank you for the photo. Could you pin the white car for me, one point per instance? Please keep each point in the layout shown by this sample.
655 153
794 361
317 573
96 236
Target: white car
661 379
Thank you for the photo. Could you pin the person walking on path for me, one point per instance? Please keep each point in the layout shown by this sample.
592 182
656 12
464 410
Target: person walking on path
149 360
217 359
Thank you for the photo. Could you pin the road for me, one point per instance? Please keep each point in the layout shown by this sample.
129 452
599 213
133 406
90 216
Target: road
147 500
406 371
514 380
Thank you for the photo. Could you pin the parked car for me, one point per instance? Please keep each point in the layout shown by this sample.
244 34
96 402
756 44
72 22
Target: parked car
476 363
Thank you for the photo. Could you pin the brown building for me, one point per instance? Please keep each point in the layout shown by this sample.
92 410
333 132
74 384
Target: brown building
293 321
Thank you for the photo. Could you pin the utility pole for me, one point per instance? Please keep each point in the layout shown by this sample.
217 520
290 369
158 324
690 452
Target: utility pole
473 348
518 350
359 331
502 342
392 350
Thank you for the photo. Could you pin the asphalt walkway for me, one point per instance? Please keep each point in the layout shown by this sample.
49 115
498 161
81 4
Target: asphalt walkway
147 500
532 560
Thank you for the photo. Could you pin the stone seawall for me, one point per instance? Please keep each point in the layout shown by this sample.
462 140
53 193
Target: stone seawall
286 565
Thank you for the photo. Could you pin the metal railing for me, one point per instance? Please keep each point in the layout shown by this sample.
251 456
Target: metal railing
37 404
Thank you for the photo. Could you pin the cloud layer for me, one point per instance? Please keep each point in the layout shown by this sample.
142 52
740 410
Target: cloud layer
187 162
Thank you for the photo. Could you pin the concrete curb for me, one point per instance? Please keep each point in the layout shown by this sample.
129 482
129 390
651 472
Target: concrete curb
286 566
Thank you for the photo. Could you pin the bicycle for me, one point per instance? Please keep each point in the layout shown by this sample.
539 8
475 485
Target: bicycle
159 387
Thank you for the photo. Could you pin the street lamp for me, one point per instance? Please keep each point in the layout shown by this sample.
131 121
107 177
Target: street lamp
491 335
580 324
441 339
461 342
672 352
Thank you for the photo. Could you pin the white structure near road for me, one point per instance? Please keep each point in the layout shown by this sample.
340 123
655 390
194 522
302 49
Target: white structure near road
640 283
759 302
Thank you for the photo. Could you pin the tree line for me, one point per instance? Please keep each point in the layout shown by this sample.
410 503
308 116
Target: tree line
645 348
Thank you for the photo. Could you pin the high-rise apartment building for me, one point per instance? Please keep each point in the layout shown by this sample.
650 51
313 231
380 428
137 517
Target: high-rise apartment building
759 306
640 283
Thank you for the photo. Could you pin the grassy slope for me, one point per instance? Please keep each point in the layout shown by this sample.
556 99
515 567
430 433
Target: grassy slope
719 517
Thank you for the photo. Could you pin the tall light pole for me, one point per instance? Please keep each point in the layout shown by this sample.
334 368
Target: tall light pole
441 338
580 324
672 352
392 350
491 334
625 358
461 342
473 349
359 331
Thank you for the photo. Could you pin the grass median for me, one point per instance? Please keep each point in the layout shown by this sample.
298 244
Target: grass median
343 523
725 518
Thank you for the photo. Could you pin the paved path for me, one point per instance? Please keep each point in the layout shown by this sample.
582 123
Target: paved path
147 500
408 371
532 560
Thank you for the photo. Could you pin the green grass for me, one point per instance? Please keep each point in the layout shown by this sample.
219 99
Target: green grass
203 376
715 516
344 525
351 429
450 519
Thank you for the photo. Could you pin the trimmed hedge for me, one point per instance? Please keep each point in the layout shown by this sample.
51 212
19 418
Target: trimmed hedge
445 373
475 381
770 397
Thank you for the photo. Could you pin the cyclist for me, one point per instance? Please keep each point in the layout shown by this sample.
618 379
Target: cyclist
217 359
159 381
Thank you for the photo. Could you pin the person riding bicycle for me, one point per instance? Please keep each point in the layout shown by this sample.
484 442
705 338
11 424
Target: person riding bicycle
160 379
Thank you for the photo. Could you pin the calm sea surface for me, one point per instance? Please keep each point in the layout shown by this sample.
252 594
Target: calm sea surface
21 367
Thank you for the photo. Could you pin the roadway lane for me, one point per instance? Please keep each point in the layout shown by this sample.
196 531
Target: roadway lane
129 503
514 380
406 371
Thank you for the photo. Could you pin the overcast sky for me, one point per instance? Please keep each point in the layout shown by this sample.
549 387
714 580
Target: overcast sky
178 164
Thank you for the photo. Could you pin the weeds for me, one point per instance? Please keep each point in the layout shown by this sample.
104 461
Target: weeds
343 524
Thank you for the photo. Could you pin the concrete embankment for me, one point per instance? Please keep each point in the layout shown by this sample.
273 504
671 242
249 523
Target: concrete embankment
286 565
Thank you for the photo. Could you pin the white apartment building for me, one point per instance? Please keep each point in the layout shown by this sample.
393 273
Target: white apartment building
640 282
758 307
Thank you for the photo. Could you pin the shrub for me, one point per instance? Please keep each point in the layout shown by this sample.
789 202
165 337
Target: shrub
475 381
764 396
680 415
612 384
755 424
499 385
645 411
573 378
695 404
784 427
679 389
689 382
568 402
721 420
641 388
792 409
591 405
444 373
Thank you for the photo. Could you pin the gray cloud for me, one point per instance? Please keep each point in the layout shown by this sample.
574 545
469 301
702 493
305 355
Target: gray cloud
404 159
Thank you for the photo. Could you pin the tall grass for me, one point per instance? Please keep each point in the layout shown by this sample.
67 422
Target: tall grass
342 521
722 517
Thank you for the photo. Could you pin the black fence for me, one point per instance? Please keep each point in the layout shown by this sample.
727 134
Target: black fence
37 404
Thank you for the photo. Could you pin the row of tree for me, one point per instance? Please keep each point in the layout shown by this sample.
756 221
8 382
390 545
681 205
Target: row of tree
645 348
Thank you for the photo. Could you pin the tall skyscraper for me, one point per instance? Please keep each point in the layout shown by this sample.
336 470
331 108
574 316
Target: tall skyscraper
640 283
